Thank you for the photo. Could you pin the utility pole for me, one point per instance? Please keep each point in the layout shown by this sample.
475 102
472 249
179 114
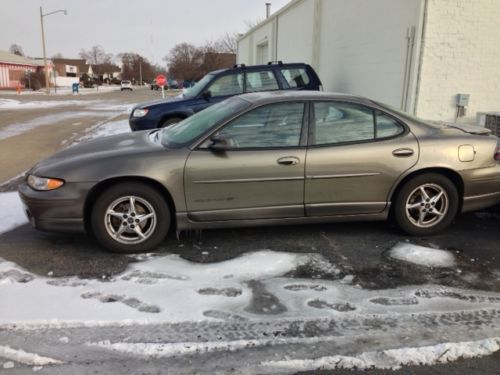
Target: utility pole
46 68
140 73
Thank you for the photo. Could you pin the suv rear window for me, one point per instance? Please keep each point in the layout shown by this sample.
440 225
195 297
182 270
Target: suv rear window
261 81
296 77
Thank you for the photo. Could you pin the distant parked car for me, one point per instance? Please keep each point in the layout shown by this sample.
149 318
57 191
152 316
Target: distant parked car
267 159
222 84
126 85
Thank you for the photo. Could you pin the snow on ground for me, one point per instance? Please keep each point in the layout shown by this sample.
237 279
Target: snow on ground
394 358
21 356
99 105
172 289
63 91
105 129
12 211
46 120
423 256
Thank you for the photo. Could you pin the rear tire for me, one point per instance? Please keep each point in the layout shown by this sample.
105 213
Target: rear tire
130 217
426 204
170 121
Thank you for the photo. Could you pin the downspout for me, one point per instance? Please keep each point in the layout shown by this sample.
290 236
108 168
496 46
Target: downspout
316 43
410 43
421 57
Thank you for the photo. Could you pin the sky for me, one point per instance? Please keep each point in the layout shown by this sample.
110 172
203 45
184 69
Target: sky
148 27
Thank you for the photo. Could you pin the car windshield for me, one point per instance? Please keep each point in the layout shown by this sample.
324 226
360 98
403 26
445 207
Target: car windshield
193 127
195 90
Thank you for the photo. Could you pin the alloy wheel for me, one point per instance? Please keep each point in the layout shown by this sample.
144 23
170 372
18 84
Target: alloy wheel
130 220
427 205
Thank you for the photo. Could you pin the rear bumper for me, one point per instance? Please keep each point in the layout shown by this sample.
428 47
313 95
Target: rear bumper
61 210
482 188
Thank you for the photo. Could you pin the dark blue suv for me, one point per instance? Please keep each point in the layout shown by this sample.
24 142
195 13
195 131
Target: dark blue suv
222 84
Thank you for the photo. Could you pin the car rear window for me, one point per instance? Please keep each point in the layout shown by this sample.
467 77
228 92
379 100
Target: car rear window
296 77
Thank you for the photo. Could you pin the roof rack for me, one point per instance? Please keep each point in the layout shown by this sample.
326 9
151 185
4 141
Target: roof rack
279 62
239 66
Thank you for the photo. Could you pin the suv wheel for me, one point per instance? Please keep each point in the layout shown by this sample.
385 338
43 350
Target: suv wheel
170 121
130 217
426 204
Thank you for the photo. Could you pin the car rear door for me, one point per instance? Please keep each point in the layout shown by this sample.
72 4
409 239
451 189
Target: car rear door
355 155
259 176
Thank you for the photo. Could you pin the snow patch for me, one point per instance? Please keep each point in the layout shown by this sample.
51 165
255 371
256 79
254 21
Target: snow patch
26 358
104 130
394 358
423 256
46 120
12 211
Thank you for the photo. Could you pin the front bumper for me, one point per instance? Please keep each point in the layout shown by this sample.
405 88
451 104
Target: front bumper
60 210
141 123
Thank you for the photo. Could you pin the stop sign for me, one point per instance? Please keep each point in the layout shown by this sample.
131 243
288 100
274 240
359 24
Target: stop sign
161 80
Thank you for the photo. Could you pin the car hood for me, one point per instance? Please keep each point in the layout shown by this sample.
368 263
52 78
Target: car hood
153 103
124 146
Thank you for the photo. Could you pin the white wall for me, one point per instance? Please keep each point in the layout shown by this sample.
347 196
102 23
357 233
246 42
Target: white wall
461 55
363 48
295 33
356 46
247 47
65 81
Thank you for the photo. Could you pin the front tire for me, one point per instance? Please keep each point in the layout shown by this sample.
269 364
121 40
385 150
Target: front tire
130 217
426 204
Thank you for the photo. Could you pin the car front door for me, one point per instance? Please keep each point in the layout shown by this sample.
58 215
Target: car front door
260 172
354 158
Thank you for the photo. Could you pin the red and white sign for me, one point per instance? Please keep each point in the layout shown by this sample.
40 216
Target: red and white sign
161 80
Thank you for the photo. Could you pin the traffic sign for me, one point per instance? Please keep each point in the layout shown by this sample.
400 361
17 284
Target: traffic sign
161 80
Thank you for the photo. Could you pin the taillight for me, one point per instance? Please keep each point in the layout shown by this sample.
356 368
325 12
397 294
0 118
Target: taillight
497 152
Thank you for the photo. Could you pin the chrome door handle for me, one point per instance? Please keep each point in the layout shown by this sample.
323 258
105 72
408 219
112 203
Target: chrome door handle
403 152
288 160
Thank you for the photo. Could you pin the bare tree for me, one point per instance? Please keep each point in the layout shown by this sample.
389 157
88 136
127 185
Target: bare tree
184 62
134 66
16 49
227 43
58 55
96 55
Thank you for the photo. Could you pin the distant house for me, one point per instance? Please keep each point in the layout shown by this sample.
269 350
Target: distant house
69 71
107 71
72 67
14 69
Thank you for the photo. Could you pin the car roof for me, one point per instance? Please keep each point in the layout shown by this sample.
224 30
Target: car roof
273 96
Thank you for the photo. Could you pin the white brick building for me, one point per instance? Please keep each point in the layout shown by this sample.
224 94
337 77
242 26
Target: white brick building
413 54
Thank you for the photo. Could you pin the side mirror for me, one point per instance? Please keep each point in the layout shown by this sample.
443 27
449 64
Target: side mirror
220 142
207 95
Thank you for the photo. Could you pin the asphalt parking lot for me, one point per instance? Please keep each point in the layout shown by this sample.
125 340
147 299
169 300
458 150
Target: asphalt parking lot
358 250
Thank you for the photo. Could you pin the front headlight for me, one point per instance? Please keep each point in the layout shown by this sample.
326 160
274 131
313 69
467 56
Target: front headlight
140 112
42 183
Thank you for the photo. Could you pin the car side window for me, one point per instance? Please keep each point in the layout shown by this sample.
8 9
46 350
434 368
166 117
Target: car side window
261 81
336 122
231 84
273 125
296 78
387 127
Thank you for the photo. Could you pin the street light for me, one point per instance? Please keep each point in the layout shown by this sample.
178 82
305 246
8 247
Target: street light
47 85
